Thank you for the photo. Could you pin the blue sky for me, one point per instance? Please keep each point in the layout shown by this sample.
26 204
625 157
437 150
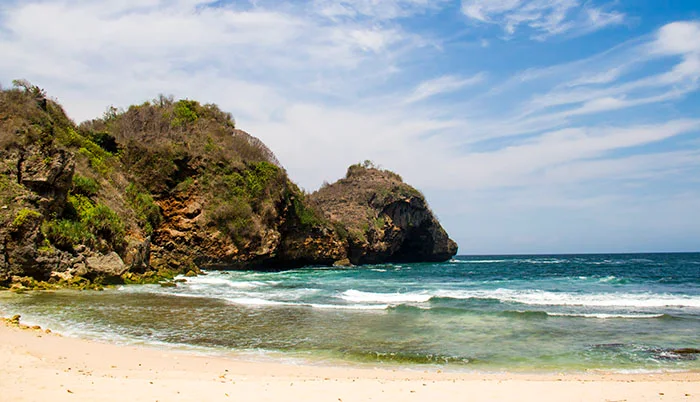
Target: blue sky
531 126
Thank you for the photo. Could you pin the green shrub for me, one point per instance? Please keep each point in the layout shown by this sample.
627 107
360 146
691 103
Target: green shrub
307 216
79 205
23 215
252 182
95 160
258 176
146 210
96 155
65 234
379 222
85 186
341 230
185 112
233 218
105 223
86 222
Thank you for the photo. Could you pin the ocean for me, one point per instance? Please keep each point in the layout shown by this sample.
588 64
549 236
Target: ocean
610 312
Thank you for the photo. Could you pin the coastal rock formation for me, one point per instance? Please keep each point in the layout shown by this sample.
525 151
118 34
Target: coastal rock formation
386 219
110 265
171 187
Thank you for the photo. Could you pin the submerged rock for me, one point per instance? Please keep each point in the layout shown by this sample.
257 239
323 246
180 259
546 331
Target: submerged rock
686 351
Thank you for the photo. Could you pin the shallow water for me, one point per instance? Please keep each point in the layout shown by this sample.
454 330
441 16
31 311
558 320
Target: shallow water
531 313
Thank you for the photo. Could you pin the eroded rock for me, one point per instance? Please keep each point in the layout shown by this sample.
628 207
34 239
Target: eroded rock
386 220
110 265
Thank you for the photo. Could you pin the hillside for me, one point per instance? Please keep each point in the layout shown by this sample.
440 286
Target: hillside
170 187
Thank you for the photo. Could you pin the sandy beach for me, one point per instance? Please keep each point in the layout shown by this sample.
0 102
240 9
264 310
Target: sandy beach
36 366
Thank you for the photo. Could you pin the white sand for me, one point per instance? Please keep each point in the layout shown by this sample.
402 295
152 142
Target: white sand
35 366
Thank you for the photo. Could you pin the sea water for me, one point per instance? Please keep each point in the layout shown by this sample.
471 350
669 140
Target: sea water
623 312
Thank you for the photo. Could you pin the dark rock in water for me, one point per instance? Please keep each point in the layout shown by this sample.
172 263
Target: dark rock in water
675 354
686 351
384 219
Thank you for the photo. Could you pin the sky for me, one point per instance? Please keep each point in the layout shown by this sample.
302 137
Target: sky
561 126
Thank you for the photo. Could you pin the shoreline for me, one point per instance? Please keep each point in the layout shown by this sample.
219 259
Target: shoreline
35 365
306 360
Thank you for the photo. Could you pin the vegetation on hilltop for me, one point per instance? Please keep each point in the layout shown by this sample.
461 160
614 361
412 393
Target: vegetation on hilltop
164 187
383 218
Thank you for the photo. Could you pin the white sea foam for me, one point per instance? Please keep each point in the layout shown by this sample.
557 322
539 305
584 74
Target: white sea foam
605 316
287 294
212 280
253 301
542 261
642 371
349 306
476 261
544 298
358 296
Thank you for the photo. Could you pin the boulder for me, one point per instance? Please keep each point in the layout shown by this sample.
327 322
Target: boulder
109 265
138 255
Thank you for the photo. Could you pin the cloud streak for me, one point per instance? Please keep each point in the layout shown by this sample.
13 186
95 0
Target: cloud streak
442 85
544 18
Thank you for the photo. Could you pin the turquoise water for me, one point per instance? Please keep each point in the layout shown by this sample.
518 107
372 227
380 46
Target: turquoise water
519 313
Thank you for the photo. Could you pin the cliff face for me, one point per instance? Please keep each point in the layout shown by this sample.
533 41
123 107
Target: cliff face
170 187
385 219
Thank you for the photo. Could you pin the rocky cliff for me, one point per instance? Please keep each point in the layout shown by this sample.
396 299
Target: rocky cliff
169 187
384 219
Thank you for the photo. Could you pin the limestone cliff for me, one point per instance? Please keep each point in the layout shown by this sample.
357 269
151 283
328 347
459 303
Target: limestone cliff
169 187
385 219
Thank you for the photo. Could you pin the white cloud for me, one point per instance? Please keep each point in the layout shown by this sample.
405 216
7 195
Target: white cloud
128 51
375 9
678 38
604 77
441 85
525 163
544 18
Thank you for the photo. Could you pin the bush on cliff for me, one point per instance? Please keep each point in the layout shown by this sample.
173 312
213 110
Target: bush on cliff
146 210
175 184
86 222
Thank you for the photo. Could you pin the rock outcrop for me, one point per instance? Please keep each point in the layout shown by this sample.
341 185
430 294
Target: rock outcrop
172 187
386 220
